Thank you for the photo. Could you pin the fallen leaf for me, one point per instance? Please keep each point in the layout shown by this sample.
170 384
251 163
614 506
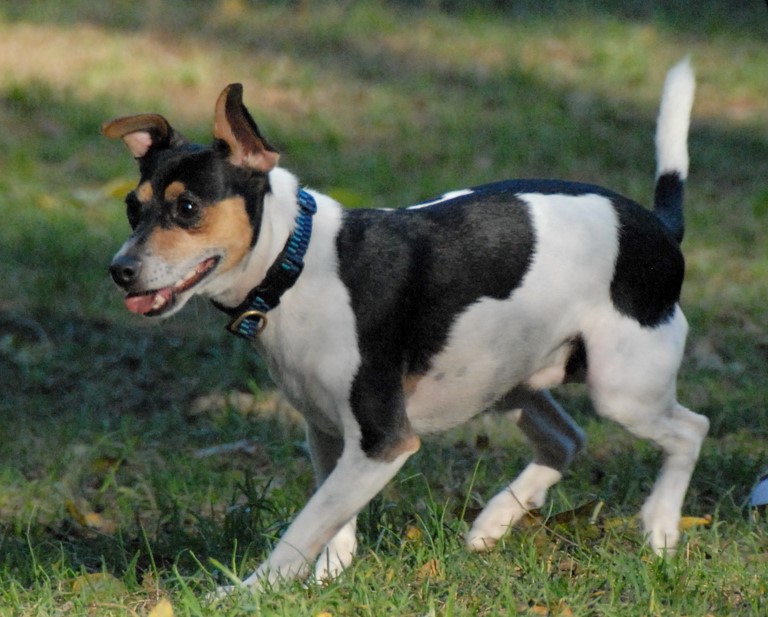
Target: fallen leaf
412 533
96 521
324 614
89 519
430 570
620 522
162 609
101 584
687 522
75 512
559 610
532 518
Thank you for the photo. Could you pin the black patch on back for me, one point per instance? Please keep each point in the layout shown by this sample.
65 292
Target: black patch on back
649 267
410 273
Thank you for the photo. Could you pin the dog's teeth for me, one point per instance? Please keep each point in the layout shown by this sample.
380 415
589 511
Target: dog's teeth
159 301
189 277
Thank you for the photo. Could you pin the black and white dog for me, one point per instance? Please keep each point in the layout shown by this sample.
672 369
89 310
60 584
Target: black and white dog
383 325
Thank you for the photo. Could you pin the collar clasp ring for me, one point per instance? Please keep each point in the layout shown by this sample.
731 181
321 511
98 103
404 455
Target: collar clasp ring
234 327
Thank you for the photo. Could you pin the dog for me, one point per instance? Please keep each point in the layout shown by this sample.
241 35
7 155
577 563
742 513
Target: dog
381 325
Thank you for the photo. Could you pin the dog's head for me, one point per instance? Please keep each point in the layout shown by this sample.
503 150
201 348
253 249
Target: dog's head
196 211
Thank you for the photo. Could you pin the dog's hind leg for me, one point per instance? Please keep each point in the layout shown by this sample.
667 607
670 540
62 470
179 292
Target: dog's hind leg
325 451
556 439
632 380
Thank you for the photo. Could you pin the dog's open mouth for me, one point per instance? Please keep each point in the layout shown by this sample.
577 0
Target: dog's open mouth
158 301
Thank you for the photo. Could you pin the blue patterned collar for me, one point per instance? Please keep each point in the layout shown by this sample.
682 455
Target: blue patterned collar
250 317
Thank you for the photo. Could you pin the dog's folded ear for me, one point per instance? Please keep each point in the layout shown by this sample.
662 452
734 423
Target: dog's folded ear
234 126
143 133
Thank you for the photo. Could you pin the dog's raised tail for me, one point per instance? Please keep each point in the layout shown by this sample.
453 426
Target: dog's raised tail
672 146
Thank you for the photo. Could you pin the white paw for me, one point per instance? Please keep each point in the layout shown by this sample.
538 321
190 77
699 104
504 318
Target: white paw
337 555
661 528
497 517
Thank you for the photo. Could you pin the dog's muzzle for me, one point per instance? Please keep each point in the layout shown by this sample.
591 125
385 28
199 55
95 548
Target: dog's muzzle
125 270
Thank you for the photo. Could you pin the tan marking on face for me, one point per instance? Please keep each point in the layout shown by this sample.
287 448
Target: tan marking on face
173 190
144 192
408 444
224 226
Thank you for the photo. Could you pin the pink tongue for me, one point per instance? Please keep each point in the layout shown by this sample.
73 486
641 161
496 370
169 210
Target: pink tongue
145 303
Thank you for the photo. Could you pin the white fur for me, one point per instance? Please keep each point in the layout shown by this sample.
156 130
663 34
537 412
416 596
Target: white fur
447 197
674 119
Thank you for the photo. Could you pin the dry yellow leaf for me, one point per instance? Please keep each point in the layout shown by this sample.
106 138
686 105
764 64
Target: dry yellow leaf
91 520
99 583
413 534
431 569
324 614
561 610
162 609
96 521
687 522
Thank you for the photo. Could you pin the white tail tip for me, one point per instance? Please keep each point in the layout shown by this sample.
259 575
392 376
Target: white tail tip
674 120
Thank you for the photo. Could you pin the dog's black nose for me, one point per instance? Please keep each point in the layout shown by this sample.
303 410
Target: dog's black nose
125 270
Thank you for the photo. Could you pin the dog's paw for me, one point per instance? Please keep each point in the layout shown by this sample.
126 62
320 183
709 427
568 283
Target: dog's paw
337 555
479 543
328 566
223 593
499 514
662 527
663 540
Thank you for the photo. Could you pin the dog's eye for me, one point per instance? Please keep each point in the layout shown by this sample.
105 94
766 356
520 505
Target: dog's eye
186 210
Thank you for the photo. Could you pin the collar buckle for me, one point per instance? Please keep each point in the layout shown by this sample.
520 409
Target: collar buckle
242 324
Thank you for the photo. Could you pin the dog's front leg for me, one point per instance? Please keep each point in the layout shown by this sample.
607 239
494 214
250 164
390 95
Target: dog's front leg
355 480
325 450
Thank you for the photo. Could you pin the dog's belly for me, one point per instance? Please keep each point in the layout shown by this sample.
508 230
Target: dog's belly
487 356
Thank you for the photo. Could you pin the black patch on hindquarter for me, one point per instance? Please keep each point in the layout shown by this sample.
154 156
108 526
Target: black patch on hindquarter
649 268
410 273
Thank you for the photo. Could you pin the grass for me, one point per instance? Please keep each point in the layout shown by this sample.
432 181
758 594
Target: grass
113 494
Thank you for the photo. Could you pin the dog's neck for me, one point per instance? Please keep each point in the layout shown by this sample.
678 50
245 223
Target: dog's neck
249 317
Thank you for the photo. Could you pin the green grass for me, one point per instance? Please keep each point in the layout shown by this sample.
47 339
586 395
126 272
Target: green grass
109 500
